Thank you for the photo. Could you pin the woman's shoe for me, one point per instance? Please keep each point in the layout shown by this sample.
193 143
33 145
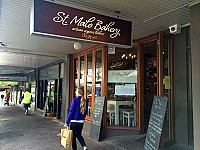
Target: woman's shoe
85 148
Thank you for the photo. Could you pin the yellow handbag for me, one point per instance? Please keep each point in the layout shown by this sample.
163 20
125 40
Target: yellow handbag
66 137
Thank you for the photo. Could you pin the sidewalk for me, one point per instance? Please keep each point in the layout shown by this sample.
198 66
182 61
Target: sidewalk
34 132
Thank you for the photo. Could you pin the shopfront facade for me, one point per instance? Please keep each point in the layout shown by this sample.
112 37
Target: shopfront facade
128 78
129 73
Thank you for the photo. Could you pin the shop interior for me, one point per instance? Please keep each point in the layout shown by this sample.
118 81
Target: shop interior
122 88
150 78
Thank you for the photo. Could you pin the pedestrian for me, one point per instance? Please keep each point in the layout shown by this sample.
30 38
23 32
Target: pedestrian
26 100
7 99
76 117
51 99
4 98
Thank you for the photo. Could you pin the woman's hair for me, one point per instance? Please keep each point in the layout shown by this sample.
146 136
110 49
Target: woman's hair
80 92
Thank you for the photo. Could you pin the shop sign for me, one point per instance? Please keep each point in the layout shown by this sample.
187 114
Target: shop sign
57 20
122 76
12 83
13 78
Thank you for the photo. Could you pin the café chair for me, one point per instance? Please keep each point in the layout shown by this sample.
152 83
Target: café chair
111 113
128 115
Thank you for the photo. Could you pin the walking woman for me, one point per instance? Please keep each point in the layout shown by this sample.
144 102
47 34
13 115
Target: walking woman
76 117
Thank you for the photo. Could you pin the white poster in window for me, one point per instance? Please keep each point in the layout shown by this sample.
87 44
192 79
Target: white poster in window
119 89
125 90
122 76
129 89
89 75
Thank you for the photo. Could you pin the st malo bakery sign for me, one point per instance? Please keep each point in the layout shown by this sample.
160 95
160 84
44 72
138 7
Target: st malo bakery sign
56 20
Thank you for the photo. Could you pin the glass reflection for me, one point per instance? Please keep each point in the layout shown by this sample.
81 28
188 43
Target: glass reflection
75 74
89 82
98 76
82 72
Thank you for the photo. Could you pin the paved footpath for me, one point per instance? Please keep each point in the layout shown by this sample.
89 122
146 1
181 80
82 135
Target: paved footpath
34 132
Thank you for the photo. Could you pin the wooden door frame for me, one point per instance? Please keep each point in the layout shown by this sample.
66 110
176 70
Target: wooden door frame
159 38
140 58
88 118
84 53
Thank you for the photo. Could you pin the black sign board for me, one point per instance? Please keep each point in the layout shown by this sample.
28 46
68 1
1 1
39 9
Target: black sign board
55 20
97 117
155 123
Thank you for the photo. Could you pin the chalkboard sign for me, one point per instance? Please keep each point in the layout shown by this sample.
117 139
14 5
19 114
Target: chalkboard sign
155 123
97 117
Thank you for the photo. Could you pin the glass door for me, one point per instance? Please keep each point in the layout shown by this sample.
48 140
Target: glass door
98 73
76 82
82 71
55 97
40 96
167 88
157 79
89 85
94 79
50 95
150 78
87 73
44 95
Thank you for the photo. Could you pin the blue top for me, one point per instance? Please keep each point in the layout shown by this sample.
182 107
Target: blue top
74 112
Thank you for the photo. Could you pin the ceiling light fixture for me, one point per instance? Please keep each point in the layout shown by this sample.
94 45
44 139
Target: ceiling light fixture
77 46
128 56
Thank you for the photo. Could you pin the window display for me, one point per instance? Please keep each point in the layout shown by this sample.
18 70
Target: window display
122 88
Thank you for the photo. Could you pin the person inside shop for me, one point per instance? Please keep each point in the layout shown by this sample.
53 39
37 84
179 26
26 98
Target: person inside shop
26 100
51 99
76 117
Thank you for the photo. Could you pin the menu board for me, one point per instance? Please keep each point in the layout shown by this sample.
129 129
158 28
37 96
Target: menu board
97 117
155 123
